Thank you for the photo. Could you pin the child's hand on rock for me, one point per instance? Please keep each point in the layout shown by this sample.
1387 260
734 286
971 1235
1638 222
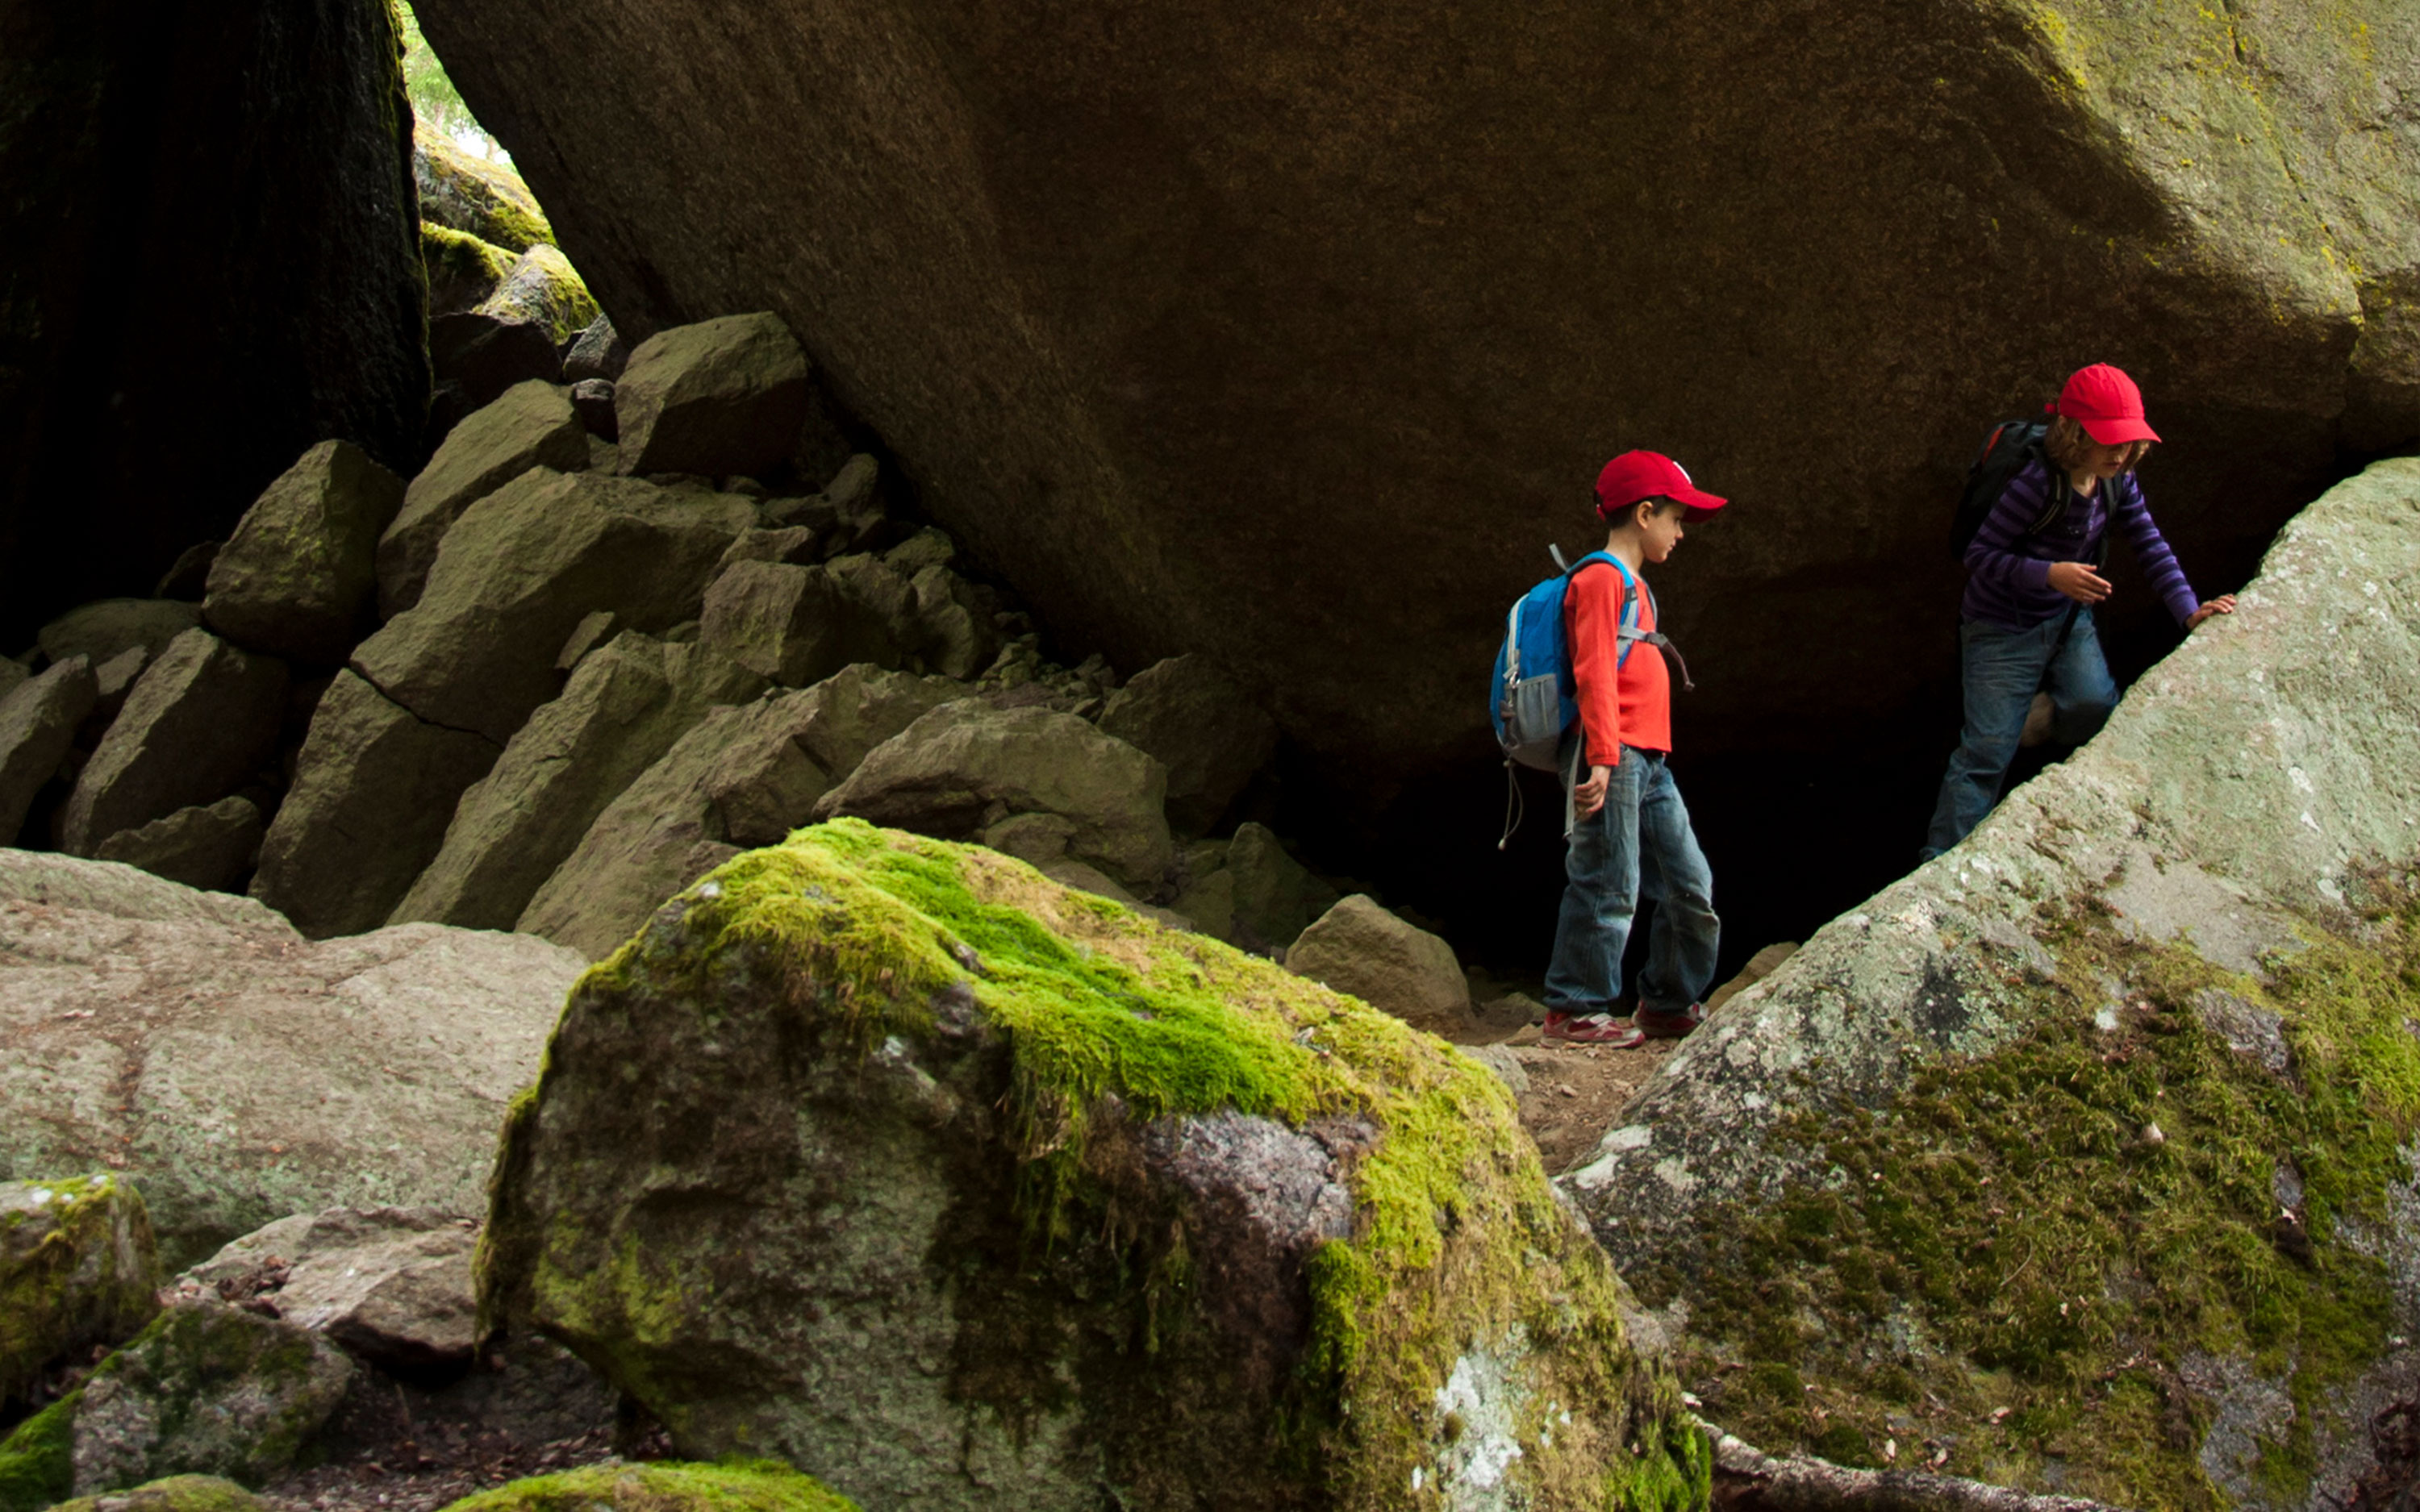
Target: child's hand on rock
2223 604
2078 581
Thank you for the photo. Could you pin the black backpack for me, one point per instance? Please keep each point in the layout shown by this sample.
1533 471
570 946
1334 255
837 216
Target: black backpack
2006 451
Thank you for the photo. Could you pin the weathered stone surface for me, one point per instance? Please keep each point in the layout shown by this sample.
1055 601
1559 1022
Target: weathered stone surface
77 1268
213 262
13 674
744 776
299 577
483 355
592 400
1282 1117
519 570
2148 965
624 707
173 1493
543 290
532 424
597 354
791 625
469 195
390 1284
1107 286
1396 967
188 577
966 765
209 1390
462 269
104 631
201 719
195 1044
374 789
721 396
210 847
37 724
663 1486
1251 892
953 632
1209 733
112 681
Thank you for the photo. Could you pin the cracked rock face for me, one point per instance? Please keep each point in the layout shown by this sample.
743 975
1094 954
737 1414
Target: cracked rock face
1147 286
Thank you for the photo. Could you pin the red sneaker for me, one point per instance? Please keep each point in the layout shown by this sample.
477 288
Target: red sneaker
1589 1029
1668 1023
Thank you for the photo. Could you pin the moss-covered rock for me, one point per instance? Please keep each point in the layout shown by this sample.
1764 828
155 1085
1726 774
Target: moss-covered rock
176 1493
733 1486
2084 1156
36 1461
957 1188
487 200
207 1390
462 269
77 1268
543 290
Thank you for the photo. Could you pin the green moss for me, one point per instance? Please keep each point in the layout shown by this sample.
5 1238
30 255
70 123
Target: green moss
37 1461
462 269
78 1267
731 1486
176 1493
1459 1243
2046 1264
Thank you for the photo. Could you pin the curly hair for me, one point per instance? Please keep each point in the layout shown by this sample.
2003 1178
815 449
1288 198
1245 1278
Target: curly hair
2069 446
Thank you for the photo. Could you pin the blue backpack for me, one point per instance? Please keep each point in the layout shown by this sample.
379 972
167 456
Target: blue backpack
1535 698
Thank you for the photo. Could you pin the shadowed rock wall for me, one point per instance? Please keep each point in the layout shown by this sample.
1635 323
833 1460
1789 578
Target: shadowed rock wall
208 262
1295 336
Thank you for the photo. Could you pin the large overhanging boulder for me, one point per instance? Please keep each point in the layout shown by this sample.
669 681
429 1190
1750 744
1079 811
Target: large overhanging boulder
958 1189
2086 1156
1295 336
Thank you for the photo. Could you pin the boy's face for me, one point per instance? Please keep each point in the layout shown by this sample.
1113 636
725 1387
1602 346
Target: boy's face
1659 530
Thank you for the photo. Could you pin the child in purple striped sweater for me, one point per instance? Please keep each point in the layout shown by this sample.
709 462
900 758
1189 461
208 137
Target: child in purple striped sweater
2027 618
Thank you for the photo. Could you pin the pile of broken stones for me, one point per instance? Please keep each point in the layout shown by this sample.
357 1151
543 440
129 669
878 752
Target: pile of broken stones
602 643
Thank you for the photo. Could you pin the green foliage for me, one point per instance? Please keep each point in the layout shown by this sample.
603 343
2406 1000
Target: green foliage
731 1486
2043 1263
435 102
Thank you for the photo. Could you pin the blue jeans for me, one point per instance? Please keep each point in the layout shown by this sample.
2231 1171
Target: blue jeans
2003 669
1639 845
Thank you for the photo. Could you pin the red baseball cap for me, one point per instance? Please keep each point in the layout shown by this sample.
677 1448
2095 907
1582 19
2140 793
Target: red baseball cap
2106 404
1637 475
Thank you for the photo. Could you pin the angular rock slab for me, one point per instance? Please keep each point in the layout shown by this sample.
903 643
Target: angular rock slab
966 765
78 1267
848 1055
198 723
299 577
1195 720
195 1044
623 708
718 397
531 425
37 724
109 628
374 789
208 847
2223 823
743 777
1394 967
390 1284
1251 892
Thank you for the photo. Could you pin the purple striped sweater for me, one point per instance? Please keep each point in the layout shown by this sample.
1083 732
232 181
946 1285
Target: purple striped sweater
2009 571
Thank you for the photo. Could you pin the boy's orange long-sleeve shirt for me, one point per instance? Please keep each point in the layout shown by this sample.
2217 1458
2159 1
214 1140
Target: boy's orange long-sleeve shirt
1633 707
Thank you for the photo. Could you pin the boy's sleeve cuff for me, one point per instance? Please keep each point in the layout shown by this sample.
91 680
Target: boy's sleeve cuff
2033 574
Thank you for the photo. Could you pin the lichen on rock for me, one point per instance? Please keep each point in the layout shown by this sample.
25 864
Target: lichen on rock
956 1187
77 1268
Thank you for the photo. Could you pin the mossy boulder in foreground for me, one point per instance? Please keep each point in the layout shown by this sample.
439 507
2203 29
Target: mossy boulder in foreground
177 1493
77 1268
733 1486
955 1188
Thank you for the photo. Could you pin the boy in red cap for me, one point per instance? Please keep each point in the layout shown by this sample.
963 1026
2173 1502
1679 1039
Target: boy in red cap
1627 831
2027 617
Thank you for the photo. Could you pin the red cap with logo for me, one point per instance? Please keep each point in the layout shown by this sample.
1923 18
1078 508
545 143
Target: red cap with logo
2106 404
1637 475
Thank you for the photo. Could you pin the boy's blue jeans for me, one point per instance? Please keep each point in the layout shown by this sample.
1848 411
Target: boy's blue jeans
1639 845
2003 669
